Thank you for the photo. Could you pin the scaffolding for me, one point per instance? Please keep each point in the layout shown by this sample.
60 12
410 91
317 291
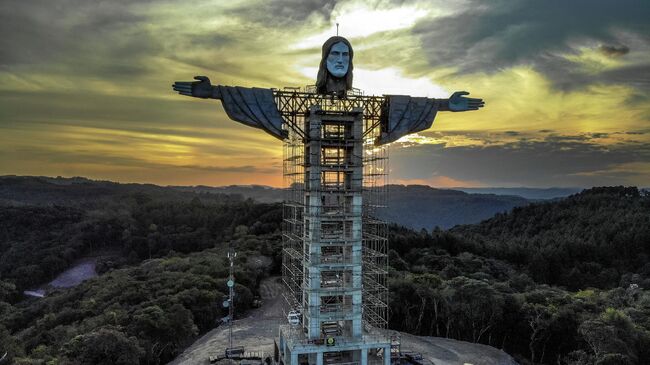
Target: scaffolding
293 228
375 231
335 257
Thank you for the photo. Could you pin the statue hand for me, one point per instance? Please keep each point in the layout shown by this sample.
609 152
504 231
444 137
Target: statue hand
457 103
199 89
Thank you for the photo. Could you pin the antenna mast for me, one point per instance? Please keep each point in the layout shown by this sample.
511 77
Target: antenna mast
231 292
337 29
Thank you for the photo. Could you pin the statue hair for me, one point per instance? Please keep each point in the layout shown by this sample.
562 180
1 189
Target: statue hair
326 83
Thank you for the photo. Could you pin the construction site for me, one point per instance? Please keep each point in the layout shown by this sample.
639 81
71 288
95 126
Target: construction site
256 334
335 169
335 252
330 305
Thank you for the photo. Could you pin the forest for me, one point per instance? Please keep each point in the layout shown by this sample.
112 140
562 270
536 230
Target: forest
558 282
561 282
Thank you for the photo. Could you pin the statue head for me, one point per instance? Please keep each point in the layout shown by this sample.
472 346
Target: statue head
338 59
335 71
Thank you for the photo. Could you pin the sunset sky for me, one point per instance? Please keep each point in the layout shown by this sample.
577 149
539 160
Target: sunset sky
85 87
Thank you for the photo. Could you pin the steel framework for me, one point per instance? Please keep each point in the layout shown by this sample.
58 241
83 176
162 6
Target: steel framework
336 159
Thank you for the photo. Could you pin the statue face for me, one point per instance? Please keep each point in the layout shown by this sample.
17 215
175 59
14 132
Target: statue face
338 59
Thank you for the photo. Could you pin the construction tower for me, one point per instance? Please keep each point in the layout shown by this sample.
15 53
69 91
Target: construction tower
334 252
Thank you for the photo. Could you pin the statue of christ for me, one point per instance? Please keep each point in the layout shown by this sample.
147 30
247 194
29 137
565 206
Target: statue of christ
257 107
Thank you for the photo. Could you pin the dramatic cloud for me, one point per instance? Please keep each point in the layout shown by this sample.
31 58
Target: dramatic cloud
85 86
544 34
614 51
285 12
94 38
554 161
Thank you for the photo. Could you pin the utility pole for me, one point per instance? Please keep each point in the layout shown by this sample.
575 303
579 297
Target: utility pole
231 292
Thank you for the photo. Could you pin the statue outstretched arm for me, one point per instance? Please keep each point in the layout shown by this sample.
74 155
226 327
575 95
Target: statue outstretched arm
254 107
403 115
198 89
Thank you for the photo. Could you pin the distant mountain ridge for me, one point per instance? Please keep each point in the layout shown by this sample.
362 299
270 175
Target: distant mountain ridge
413 206
421 206
82 192
261 193
527 193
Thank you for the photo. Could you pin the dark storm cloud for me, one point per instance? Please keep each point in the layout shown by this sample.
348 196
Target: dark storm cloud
102 38
567 75
487 37
285 12
614 51
638 75
555 161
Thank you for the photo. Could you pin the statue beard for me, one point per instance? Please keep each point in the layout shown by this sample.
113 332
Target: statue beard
336 85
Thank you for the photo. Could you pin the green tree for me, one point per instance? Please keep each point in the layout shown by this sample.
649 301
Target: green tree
612 337
104 346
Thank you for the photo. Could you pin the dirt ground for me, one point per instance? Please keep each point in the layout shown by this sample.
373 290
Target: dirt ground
256 333
444 351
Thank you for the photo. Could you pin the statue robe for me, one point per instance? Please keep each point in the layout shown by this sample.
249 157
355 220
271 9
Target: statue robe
254 107
404 115
401 114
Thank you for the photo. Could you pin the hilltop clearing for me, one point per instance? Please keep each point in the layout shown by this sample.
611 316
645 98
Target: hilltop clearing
257 331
